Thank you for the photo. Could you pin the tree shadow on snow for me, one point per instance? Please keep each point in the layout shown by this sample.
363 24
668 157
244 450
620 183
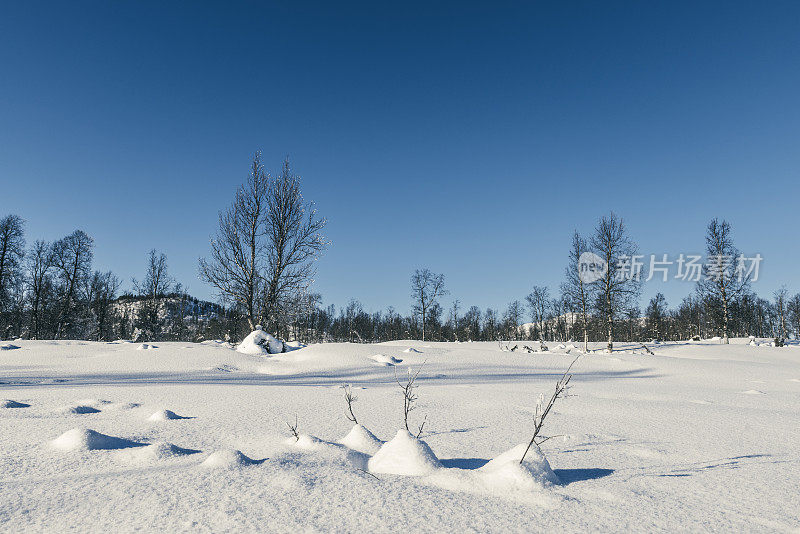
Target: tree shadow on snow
568 476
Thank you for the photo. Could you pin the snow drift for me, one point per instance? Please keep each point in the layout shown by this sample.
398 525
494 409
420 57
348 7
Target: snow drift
228 459
404 455
361 440
81 439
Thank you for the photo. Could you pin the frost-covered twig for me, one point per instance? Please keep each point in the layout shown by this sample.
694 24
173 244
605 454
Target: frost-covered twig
541 412
349 398
294 429
409 397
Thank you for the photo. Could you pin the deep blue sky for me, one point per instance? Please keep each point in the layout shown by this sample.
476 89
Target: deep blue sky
469 139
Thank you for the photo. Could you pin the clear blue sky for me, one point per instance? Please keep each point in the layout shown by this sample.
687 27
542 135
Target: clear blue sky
471 139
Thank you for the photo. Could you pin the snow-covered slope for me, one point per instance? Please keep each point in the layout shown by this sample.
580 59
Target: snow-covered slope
193 437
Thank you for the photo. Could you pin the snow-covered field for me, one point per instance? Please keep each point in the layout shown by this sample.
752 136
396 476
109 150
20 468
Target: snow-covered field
117 437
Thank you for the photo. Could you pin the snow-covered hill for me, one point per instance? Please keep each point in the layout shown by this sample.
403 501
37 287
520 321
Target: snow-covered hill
194 437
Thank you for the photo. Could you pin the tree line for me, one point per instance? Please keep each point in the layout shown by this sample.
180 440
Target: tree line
261 264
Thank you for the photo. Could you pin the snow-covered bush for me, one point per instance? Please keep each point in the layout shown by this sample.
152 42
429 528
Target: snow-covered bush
260 342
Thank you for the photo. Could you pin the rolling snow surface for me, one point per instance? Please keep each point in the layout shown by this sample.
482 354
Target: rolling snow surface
104 437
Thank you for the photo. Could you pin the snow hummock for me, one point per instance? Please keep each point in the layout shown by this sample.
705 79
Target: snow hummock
383 359
404 455
8 346
159 450
82 439
165 415
411 349
362 440
260 342
533 473
146 346
8 403
228 459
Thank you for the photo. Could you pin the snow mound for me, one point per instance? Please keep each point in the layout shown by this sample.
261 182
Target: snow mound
145 346
80 439
8 346
305 441
165 415
78 409
404 455
412 349
159 450
260 342
228 459
506 471
753 392
361 440
383 359
8 403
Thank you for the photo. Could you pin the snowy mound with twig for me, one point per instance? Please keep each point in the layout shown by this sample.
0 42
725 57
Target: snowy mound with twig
533 472
81 439
260 342
361 440
404 455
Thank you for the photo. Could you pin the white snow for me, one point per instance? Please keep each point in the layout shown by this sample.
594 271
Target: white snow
675 441
362 440
404 455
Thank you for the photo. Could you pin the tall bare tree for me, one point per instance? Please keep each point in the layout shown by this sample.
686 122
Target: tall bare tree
578 292
720 285
12 251
237 260
157 283
426 288
539 302
40 285
781 297
72 257
293 241
619 287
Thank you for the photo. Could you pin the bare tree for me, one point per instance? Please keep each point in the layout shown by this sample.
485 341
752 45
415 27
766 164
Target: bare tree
237 260
72 258
12 250
575 289
781 297
426 288
656 314
40 284
539 301
156 284
619 287
793 308
293 241
719 283
542 410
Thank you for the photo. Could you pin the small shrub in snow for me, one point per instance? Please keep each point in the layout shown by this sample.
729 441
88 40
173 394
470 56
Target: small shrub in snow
542 410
